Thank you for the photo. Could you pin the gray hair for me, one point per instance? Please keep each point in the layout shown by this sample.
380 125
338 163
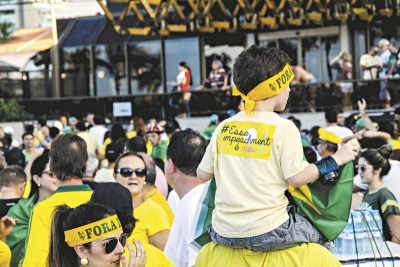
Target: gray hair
384 42
215 61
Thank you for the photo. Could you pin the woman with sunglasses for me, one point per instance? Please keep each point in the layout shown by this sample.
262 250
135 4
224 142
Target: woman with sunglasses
43 184
153 226
106 194
372 166
90 235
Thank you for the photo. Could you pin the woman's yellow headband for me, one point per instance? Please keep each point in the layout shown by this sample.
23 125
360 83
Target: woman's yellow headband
93 231
266 89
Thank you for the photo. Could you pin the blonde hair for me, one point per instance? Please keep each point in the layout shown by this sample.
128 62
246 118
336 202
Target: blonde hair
346 56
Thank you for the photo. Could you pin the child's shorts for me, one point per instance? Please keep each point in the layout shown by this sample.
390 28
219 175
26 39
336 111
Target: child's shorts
295 231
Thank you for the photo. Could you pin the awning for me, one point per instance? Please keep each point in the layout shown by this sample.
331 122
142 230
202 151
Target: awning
4 66
25 44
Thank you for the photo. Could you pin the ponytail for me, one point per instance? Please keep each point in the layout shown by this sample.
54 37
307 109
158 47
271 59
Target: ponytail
60 254
379 158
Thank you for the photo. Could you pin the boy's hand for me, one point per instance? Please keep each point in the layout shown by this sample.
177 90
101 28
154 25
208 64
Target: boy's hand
346 153
362 106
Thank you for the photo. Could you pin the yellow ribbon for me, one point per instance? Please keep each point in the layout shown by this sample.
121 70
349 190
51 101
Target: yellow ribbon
93 231
266 89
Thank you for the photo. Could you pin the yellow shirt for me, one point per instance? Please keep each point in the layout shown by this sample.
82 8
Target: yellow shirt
38 237
28 188
152 219
5 255
160 200
154 256
36 140
91 142
251 156
304 255
105 144
396 144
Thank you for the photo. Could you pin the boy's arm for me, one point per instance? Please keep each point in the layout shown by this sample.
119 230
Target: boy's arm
204 176
311 173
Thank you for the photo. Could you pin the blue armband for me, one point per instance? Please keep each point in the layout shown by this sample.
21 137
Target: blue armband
327 168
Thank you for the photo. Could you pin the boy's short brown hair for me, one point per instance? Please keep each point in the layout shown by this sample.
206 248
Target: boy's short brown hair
257 64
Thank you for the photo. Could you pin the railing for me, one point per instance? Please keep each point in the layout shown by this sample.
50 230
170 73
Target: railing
303 98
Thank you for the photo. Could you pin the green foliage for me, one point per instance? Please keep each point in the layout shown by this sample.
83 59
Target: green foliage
12 111
6 29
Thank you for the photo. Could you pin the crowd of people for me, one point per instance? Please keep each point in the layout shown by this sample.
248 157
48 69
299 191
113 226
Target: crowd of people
79 193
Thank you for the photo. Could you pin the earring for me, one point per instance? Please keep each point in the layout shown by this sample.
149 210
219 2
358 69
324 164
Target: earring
144 182
84 262
38 185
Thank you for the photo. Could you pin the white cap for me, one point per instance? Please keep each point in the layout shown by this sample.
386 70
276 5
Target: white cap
8 130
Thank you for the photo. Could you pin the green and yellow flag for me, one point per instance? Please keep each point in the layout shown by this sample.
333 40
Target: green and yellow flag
326 206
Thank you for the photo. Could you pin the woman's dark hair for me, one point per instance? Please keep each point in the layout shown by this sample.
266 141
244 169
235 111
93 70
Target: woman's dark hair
117 132
315 135
186 66
106 194
137 144
127 154
65 218
138 125
38 166
379 158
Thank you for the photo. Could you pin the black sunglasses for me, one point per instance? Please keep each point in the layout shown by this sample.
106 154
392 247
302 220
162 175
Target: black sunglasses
361 167
127 172
111 244
48 172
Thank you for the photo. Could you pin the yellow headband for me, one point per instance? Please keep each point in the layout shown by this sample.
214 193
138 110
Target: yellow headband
272 86
93 231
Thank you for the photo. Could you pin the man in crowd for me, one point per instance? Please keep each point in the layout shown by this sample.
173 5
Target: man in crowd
68 157
371 63
335 121
328 143
113 151
12 186
184 154
28 141
98 130
91 142
385 54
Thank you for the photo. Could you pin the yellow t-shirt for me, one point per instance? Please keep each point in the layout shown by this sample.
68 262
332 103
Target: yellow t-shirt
160 200
152 219
396 144
91 142
38 237
28 188
36 140
304 255
105 144
154 256
5 255
251 156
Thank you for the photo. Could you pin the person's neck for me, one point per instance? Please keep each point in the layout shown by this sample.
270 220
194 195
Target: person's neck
186 184
111 165
137 199
73 181
43 194
327 153
29 150
88 178
147 187
9 193
266 105
332 124
375 185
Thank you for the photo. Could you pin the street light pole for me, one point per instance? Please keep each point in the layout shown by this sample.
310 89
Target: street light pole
53 22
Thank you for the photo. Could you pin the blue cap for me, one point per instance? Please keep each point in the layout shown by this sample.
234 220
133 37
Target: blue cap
214 118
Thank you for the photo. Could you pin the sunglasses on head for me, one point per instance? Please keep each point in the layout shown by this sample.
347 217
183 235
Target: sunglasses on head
361 168
48 172
111 244
127 172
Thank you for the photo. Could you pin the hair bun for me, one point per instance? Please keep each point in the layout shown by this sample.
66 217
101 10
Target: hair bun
385 151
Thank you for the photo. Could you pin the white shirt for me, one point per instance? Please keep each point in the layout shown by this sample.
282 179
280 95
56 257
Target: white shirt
104 176
177 247
385 60
391 181
98 132
340 131
173 201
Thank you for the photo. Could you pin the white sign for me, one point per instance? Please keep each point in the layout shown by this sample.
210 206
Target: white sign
122 109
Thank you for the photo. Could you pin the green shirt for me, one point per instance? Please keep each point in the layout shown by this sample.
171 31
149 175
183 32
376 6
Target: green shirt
159 151
208 132
386 203
16 239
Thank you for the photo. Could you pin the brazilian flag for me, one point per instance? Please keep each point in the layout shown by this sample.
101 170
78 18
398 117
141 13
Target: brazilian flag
326 206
